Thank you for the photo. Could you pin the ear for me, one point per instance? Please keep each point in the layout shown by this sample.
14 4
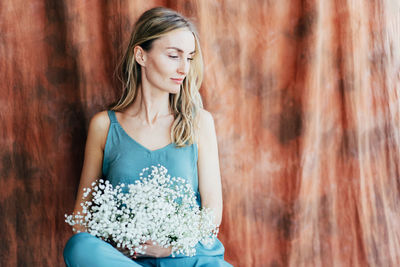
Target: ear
140 55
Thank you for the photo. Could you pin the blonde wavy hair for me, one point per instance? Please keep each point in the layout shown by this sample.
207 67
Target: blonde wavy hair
150 26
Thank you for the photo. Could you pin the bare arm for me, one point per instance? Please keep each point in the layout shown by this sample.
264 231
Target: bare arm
208 166
93 160
92 170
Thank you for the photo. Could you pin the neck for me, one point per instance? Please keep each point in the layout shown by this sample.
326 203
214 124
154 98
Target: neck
150 105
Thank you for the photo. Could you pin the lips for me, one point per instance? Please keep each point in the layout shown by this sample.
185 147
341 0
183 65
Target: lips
178 81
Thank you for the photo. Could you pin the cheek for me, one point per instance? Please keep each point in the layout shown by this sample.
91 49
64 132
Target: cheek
164 66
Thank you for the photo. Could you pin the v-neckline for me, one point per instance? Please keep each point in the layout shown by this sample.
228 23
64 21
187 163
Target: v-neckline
136 142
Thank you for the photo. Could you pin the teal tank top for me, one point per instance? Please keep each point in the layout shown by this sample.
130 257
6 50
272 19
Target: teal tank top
124 159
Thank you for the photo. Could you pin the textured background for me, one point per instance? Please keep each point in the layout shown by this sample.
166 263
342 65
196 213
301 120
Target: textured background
305 96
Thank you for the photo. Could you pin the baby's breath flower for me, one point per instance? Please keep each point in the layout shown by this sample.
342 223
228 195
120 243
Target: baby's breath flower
156 207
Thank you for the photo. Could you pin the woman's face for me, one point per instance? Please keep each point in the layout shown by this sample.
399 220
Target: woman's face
168 61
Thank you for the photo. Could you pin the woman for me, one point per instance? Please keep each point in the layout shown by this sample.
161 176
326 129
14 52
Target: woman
158 120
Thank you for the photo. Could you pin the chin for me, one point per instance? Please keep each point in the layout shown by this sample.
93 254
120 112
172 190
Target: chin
175 91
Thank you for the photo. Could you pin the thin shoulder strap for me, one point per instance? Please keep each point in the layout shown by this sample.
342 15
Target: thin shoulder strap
111 115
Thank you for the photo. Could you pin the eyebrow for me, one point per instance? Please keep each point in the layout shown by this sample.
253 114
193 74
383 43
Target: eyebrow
180 50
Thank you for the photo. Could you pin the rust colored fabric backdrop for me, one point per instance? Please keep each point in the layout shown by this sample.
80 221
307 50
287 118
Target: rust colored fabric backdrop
305 96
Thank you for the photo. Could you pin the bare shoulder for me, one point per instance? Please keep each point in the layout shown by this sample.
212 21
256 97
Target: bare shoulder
205 119
100 120
206 125
98 128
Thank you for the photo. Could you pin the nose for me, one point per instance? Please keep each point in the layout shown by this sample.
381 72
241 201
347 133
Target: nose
183 67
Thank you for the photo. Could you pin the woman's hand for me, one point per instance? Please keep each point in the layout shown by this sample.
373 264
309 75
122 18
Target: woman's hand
152 250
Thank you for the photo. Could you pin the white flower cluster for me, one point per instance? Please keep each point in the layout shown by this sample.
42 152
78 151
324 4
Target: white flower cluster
156 207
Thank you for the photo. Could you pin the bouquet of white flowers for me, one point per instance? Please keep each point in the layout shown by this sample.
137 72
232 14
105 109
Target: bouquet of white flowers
156 207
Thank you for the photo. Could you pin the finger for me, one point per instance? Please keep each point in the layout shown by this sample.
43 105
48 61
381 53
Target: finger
137 255
127 254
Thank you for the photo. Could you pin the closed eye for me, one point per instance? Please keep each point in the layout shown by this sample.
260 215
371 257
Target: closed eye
175 57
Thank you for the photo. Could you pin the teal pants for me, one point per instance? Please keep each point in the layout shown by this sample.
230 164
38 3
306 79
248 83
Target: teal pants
85 250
